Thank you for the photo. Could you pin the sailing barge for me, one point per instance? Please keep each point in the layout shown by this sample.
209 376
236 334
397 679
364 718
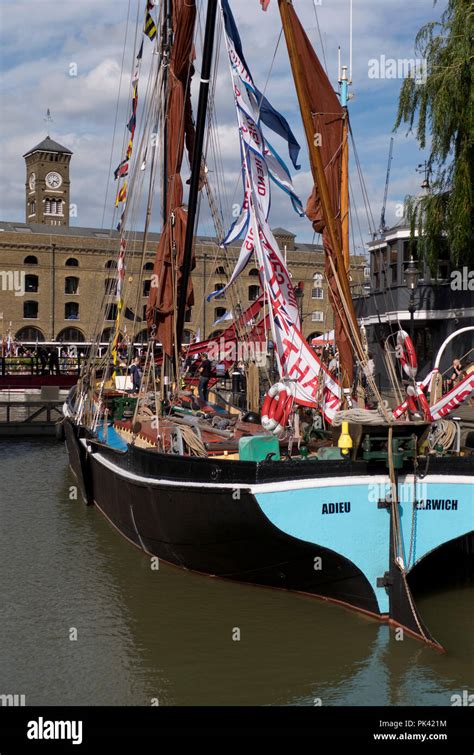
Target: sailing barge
343 507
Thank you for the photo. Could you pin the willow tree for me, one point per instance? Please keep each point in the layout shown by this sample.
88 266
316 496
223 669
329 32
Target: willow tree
440 106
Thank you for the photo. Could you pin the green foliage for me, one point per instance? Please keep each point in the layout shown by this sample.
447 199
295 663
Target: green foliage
441 108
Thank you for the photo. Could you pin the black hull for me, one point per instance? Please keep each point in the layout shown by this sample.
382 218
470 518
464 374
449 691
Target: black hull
208 529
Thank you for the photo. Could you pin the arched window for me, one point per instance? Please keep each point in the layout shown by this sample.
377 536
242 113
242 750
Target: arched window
142 336
110 286
219 287
146 287
30 260
107 335
314 334
72 262
317 277
148 266
30 310
219 270
72 335
110 263
254 293
29 334
71 285
31 283
219 312
111 312
254 271
71 310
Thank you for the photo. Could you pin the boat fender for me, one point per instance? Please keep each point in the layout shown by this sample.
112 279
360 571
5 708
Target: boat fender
406 354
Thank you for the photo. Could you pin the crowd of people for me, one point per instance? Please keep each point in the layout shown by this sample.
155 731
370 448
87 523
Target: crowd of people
43 360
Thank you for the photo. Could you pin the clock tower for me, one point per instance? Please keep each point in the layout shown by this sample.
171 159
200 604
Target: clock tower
47 183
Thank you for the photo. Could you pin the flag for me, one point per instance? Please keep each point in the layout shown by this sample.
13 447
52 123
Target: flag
121 195
312 384
226 316
132 122
270 117
122 170
150 27
264 4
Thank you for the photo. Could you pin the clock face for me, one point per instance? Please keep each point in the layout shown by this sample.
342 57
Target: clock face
53 180
32 181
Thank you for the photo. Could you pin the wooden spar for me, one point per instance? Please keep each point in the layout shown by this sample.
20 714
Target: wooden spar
317 167
208 48
345 192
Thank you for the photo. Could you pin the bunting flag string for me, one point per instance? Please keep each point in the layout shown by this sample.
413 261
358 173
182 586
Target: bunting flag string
119 299
312 383
122 171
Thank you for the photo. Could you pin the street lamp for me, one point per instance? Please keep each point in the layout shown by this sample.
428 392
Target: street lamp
412 275
299 293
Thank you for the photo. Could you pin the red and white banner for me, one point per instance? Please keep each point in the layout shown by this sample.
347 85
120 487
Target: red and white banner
454 398
311 383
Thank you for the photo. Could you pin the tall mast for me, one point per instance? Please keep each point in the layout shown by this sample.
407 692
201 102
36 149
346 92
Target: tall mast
344 82
317 169
196 165
167 42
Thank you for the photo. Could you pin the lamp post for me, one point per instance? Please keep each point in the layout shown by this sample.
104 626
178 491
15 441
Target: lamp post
412 275
299 293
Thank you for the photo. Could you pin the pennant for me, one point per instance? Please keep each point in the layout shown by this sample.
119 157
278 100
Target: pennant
271 117
150 27
122 170
264 4
226 316
121 195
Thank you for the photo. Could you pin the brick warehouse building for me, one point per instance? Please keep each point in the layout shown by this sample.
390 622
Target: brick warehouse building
67 270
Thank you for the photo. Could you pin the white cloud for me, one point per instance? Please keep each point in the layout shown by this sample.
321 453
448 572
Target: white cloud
37 54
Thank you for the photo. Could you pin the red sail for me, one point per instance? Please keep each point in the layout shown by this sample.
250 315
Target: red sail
327 116
164 293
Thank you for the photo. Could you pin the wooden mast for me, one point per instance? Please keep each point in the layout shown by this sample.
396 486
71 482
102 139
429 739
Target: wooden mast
317 169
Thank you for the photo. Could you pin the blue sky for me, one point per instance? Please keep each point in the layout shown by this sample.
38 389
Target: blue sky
40 40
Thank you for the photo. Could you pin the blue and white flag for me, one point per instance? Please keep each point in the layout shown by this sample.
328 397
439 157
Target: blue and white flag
260 161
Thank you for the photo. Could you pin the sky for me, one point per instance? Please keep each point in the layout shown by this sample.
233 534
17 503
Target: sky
43 42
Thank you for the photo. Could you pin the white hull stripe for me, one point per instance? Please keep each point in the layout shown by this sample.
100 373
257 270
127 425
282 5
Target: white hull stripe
268 487
323 482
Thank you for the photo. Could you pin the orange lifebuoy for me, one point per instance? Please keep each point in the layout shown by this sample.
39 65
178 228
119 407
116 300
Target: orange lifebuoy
406 353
